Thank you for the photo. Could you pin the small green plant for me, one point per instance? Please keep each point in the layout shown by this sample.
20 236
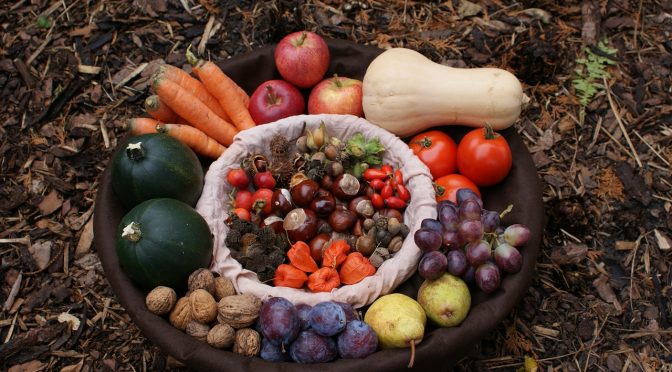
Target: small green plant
590 72
43 22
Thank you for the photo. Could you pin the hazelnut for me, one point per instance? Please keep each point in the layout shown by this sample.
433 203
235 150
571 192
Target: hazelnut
239 311
203 306
181 314
393 226
161 300
223 287
247 342
197 330
395 244
202 279
221 336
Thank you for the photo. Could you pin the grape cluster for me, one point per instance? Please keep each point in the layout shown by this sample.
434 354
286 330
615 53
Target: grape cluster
469 241
313 334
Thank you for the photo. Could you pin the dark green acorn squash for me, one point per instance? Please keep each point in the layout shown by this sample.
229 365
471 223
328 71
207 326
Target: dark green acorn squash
156 165
161 242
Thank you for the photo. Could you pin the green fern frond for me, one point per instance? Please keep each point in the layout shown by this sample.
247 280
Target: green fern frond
590 72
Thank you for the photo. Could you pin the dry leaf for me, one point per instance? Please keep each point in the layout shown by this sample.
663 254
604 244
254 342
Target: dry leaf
605 291
85 240
32 366
664 242
50 203
41 252
571 253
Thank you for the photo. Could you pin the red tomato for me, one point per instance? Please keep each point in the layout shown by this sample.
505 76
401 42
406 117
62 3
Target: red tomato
243 200
262 201
446 187
238 178
437 150
243 214
484 156
264 180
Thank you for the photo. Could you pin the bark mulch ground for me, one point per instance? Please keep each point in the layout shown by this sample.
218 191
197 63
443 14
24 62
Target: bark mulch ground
599 128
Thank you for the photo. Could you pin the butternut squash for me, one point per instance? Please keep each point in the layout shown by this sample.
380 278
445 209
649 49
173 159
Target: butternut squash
405 93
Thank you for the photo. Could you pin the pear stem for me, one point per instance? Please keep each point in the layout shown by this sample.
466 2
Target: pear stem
410 363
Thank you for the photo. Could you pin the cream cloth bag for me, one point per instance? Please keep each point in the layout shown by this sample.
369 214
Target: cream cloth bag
215 197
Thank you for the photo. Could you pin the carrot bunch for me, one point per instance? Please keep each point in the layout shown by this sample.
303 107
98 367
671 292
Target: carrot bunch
204 112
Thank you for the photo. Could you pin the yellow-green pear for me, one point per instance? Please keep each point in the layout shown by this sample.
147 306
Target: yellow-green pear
446 300
399 321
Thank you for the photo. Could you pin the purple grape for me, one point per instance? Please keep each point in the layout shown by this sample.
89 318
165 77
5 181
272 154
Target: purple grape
444 203
350 313
303 310
490 221
517 234
466 194
457 262
487 277
327 318
468 275
508 258
273 352
427 240
451 240
478 252
358 340
311 347
449 218
470 231
432 265
432 224
470 210
279 321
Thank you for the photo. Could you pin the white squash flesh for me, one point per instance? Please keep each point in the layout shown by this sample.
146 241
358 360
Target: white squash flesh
405 93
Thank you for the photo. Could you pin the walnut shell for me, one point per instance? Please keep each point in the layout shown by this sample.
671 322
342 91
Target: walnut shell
161 300
181 314
239 311
202 279
247 342
221 336
203 306
197 330
223 287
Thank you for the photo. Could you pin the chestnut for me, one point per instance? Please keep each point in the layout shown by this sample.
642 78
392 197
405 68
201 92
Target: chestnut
365 245
391 213
357 228
342 219
323 203
327 182
304 192
281 201
346 186
300 224
323 227
317 246
362 206
275 222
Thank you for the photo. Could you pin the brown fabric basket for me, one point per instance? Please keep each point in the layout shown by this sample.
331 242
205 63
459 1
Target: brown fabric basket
440 348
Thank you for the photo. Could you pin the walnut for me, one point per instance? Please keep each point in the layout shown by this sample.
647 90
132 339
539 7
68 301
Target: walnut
223 287
203 306
181 314
202 279
239 311
395 244
221 336
197 330
161 300
247 342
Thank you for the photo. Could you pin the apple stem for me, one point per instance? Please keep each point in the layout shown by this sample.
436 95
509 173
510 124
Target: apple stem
304 34
410 363
272 98
337 81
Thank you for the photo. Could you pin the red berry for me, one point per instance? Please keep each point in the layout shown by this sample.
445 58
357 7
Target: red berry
238 178
377 184
377 201
395 203
243 200
403 193
243 214
387 191
264 180
262 201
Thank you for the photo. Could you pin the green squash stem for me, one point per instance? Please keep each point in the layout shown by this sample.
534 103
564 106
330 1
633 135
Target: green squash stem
135 151
132 232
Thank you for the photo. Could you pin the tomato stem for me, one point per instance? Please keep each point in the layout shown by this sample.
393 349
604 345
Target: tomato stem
438 189
489 133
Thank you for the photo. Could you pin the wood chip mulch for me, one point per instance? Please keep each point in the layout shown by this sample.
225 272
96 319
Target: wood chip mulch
72 72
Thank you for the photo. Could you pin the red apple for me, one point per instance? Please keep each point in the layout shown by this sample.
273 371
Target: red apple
336 95
274 100
302 58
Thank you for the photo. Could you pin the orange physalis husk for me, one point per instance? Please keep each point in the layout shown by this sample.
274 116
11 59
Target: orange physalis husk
324 280
335 253
289 276
300 257
355 268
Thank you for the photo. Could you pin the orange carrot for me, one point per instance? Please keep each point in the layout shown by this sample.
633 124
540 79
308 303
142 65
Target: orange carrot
138 126
194 87
159 110
187 106
194 138
226 91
